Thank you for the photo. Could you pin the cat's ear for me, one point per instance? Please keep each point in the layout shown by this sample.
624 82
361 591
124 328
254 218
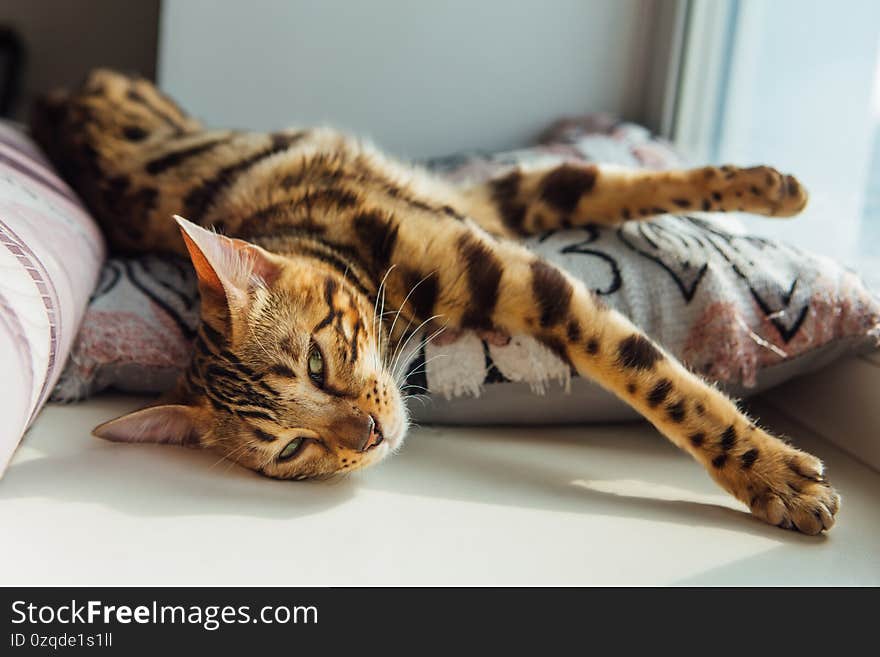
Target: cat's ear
228 269
173 424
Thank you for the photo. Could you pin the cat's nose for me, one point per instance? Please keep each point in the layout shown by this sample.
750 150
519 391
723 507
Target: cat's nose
374 435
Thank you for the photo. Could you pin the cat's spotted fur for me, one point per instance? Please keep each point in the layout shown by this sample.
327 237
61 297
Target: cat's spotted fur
322 222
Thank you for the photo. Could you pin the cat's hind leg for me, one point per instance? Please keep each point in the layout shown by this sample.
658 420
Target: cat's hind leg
526 201
103 137
98 127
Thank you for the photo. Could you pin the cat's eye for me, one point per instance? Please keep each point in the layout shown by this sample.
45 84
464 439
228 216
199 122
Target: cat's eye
292 448
316 365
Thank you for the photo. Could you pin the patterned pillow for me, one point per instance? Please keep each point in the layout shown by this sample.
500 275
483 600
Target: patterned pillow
745 311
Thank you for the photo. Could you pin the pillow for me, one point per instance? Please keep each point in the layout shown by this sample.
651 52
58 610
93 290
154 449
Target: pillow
50 255
744 311
137 331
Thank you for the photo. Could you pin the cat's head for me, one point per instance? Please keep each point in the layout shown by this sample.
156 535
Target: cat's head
288 376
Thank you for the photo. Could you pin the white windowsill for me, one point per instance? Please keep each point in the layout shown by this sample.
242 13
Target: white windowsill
566 505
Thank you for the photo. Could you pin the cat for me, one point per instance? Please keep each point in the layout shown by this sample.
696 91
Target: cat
318 259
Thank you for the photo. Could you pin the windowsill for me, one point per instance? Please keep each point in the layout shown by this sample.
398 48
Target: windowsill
839 403
529 505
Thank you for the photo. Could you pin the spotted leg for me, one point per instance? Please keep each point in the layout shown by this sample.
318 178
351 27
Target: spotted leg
531 200
506 288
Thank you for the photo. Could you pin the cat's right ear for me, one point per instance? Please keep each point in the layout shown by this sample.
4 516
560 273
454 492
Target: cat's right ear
173 424
228 269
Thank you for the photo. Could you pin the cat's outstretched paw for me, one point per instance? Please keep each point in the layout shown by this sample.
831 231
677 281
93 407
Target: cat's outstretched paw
795 495
764 190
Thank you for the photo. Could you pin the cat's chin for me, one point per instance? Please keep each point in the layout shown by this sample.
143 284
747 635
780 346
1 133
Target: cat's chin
395 436
393 444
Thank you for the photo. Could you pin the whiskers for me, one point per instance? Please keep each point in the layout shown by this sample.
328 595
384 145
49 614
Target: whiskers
403 304
423 367
378 317
232 453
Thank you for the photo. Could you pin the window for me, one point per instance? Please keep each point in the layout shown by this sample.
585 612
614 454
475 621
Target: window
795 84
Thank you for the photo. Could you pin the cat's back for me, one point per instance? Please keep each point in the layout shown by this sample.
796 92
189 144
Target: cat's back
137 159
324 182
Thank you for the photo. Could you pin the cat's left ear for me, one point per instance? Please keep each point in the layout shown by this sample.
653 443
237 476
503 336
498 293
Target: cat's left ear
228 269
173 424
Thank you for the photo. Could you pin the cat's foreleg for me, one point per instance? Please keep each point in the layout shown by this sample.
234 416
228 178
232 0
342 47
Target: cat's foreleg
531 200
780 484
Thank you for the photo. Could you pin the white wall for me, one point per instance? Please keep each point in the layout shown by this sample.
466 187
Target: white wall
421 77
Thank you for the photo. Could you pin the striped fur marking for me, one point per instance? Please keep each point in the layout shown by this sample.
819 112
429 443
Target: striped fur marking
636 352
264 436
333 258
174 159
200 199
279 369
676 411
378 234
659 392
552 293
564 186
593 346
483 270
504 193
299 209
728 438
173 122
748 458
422 290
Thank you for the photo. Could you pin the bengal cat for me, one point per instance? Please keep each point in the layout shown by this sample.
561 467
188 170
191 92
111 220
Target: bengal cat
318 258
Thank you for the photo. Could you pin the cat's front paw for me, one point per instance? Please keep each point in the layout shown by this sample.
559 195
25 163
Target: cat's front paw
795 495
